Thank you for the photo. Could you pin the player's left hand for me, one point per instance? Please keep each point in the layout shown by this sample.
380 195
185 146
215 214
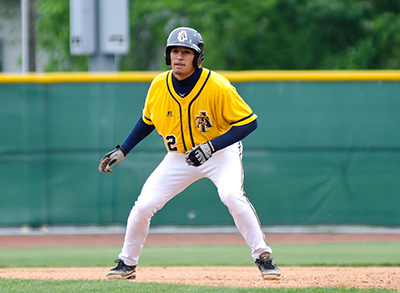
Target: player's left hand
200 154
110 159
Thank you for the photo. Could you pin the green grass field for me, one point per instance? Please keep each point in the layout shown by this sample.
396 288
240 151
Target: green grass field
331 254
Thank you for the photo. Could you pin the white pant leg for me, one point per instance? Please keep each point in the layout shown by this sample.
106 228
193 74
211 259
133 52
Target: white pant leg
171 177
226 171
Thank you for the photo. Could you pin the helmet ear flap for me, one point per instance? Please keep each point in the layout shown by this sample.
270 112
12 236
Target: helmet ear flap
200 56
167 56
198 60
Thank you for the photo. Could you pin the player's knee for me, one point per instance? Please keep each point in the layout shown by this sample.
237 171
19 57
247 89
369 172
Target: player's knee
229 196
145 209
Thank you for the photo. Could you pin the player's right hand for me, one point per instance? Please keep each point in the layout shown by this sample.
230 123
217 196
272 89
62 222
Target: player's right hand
110 159
200 154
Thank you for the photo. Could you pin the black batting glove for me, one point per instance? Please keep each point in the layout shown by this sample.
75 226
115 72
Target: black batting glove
200 154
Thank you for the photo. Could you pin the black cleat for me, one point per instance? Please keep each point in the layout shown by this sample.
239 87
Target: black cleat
267 267
122 271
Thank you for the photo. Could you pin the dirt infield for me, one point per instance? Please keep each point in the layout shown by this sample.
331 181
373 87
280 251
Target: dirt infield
248 277
292 277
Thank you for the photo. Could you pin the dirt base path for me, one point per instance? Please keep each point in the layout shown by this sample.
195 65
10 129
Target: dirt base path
249 277
292 277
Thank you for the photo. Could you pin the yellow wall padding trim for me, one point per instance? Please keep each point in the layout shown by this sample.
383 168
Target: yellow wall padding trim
312 75
233 76
81 77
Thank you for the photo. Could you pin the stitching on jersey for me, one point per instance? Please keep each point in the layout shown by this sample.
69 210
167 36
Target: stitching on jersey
190 105
180 111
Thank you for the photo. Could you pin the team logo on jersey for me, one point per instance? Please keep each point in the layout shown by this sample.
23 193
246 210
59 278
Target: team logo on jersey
182 36
203 121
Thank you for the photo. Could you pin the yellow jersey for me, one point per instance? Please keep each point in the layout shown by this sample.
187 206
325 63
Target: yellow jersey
211 108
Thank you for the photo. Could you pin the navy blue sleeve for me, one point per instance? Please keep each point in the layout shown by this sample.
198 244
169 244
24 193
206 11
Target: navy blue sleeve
137 134
233 135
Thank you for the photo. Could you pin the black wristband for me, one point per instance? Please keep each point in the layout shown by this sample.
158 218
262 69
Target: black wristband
122 150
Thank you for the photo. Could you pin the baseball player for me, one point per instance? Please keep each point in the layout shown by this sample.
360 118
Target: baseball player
202 120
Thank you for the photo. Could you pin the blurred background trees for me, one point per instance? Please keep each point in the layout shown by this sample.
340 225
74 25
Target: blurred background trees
245 35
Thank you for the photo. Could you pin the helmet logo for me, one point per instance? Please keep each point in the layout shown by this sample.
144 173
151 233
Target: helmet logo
182 36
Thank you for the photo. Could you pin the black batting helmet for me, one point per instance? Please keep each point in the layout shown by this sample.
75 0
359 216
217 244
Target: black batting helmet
185 37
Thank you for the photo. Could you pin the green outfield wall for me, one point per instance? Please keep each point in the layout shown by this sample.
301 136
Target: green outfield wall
326 152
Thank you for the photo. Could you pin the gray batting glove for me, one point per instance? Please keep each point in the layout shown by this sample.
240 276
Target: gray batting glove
200 154
110 159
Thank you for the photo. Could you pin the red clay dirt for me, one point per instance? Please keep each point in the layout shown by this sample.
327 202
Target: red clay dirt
292 277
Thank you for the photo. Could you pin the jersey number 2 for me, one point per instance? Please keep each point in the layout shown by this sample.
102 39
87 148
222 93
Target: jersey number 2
171 143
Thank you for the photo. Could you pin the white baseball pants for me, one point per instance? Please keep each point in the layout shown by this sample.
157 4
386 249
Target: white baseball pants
172 176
